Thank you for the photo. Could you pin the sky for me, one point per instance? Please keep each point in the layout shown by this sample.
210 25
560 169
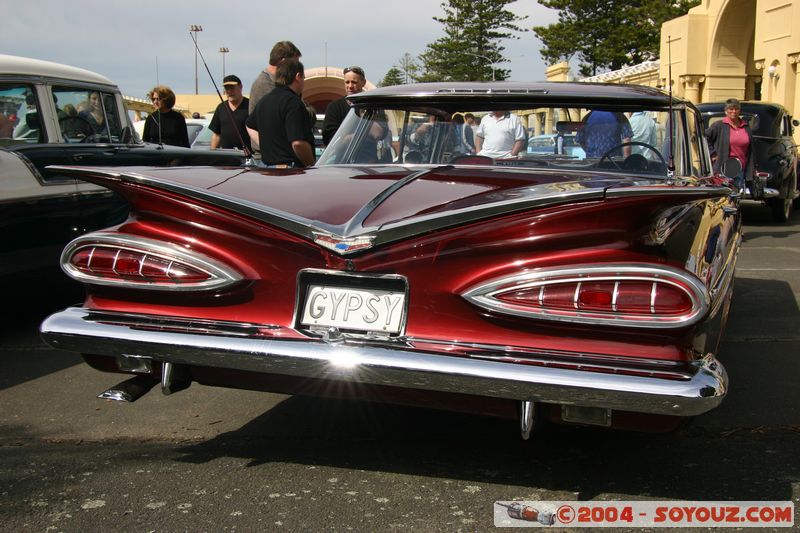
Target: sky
137 44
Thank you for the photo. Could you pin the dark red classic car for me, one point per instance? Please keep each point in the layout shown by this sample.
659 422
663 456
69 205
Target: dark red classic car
583 288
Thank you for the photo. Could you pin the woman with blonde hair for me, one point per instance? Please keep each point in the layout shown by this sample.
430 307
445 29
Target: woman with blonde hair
165 125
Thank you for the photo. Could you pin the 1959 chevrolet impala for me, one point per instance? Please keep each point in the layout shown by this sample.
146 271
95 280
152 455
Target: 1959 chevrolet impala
578 288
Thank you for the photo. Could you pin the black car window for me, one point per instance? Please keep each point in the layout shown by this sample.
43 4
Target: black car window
87 115
20 113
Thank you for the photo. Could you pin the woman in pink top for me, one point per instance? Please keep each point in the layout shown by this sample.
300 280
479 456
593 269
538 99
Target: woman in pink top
731 138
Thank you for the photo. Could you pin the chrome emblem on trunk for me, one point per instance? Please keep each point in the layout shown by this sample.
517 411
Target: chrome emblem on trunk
344 245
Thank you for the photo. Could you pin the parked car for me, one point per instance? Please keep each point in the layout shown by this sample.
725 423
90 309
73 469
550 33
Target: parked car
775 151
556 144
591 291
199 133
319 146
53 114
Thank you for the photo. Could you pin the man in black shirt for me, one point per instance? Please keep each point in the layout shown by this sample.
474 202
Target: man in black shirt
280 123
354 81
228 128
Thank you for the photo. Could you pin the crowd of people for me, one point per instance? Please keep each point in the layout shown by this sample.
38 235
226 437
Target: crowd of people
275 125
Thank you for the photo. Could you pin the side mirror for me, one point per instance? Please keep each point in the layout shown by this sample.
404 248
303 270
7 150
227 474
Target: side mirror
732 168
127 135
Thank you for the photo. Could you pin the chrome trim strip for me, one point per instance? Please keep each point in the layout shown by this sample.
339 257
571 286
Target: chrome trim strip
697 191
653 292
221 274
576 295
483 295
76 329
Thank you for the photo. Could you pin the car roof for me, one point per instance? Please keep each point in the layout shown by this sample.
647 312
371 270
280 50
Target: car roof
747 105
527 93
26 66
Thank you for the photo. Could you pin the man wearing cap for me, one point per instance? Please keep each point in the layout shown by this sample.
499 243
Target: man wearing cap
354 81
227 125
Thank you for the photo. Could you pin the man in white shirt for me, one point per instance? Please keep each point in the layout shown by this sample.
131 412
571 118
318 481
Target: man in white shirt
500 135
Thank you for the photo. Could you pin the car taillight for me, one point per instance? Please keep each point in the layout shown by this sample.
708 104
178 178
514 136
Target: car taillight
137 262
623 295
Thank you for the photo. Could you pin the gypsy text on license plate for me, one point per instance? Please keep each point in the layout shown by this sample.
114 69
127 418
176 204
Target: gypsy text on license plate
354 308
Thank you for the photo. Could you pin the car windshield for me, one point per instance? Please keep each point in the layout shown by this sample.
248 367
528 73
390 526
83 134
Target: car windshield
619 139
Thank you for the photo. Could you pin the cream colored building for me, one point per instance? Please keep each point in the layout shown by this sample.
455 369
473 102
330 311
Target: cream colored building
746 49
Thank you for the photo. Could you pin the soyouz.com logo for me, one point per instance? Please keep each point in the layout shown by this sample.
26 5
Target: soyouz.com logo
650 513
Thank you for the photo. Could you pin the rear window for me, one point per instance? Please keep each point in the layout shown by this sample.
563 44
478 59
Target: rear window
19 115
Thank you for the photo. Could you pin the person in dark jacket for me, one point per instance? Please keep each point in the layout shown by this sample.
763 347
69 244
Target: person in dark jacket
732 138
165 125
354 82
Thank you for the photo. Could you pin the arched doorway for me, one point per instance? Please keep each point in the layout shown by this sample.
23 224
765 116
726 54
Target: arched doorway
324 85
731 69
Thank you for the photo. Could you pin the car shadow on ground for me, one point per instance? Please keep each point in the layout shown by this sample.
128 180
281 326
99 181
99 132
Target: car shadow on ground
757 215
691 464
28 300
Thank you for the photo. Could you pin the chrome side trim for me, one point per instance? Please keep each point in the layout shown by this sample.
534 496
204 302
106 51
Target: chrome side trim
221 274
701 192
483 295
76 329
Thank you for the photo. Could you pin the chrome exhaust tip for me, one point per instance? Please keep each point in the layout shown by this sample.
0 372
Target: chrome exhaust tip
526 418
129 390
174 378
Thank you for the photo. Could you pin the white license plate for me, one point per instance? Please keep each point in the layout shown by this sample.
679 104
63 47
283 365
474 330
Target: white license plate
354 308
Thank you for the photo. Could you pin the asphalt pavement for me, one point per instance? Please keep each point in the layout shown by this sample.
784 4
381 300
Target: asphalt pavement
215 460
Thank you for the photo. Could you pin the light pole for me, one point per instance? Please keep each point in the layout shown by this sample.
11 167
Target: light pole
194 28
491 63
223 51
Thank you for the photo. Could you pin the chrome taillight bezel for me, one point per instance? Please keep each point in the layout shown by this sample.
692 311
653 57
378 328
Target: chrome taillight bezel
220 275
484 294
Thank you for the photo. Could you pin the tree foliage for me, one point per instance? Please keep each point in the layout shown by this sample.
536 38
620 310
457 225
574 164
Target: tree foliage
409 67
393 77
607 34
470 48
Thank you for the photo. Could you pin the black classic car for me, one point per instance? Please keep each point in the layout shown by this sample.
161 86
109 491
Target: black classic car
775 151
53 114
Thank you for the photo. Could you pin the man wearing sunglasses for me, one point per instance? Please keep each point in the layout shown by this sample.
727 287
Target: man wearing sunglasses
354 81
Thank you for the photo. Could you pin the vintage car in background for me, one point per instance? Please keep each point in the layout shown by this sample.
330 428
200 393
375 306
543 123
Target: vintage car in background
46 119
587 291
775 151
199 132
554 143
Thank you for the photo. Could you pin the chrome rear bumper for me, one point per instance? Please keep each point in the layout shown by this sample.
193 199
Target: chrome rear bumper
80 330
